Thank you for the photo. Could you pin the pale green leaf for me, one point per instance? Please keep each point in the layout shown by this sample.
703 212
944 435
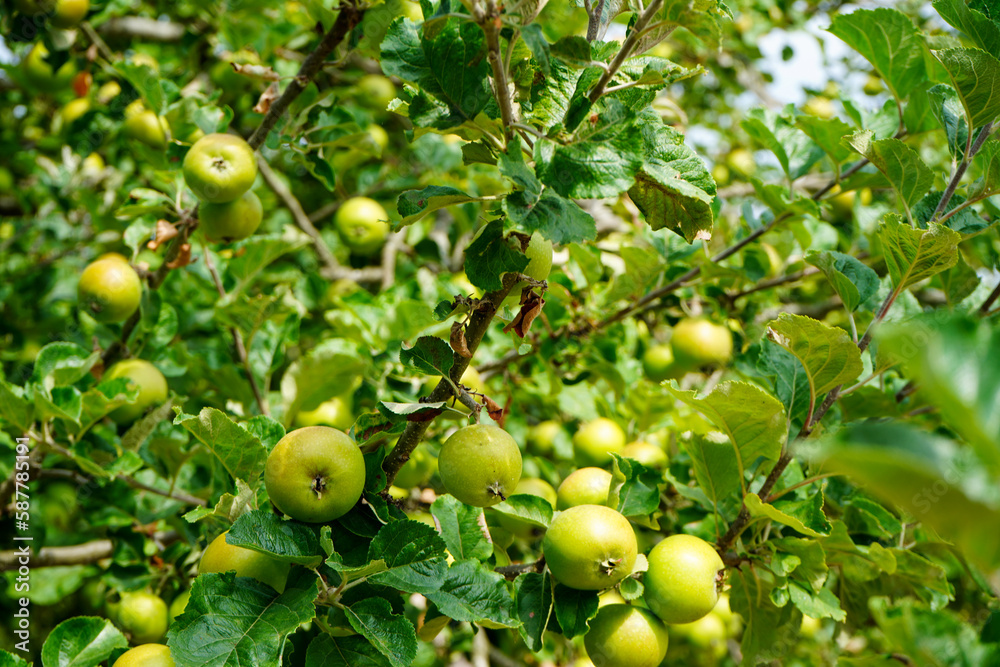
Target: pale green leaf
914 254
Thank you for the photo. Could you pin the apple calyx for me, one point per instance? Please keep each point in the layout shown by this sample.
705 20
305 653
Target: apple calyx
318 485
609 565
496 490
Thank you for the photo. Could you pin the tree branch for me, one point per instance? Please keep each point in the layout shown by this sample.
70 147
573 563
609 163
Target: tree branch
984 133
477 327
628 46
350 15
489 21
78 554
143 28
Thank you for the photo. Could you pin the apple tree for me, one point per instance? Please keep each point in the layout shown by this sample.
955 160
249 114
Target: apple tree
474 333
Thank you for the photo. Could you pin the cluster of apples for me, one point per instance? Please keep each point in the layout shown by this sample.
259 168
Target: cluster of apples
220 169
695 343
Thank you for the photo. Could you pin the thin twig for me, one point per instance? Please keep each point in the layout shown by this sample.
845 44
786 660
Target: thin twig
241 349
78 554
350 15
628 46
974 147
489 21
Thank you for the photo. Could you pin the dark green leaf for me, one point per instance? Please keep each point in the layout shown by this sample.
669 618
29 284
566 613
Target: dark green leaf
574 609
83 641
287 541
490 255
463 528
394 636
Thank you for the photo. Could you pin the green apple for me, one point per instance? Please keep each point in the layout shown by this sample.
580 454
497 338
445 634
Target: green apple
362 224
150 381
69 13
147 655
109 289
658 362
338 412
542 436
233 220
220 168
682 582
625 636
144 126
480 465
531 486
221 556
698 342
417 471
40 73
810 626
179 604
376 91
589 547
315 474
708 634
596 440
584 486
539 254
741 161
143 616
646 453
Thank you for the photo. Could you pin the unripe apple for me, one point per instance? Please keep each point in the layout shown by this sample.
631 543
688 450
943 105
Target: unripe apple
147 655
109 289
315 474
220 168
658 362
179 604
40 73
682 582
150 381
220 556
584 486
69 13
143 616
337 412
595 441
698 342
534 487
145 126
589 547
625 636
646 453
542 436
417 471
480 465
362 224
376 91
231 221
539 254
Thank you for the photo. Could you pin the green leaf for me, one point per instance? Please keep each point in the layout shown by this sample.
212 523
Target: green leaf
600 160
539 46
959 281
715 465
930 637
450 65
239 451
888 39
429 355
753 420
965 221
827 133
15 407
253 255
975 74
533 596
414 557
287 541
795 151
404 412
351 651
332 368
473 593
674 189
983 32
853 281
822 604
900 164
574 609
490 255
928 477
954 360
533 509
827 354
635 489
83 641
62 364
805 516
534 208
415 204
463 528
913 254
246 624
811 564
948 110
769 629
11 660
988 159
394 636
